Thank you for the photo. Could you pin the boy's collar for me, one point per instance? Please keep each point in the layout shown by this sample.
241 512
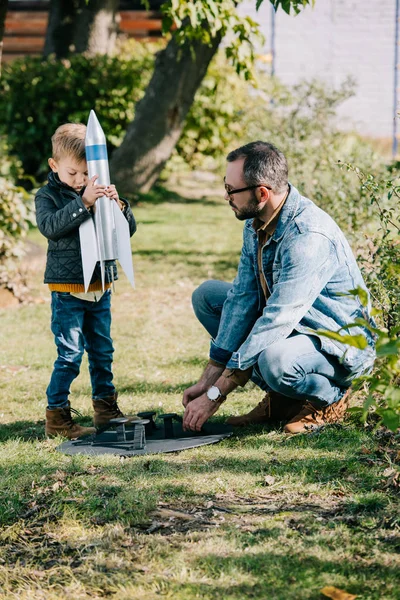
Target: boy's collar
54 179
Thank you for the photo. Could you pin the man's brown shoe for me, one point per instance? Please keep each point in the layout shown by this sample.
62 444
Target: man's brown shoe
59 422
310 417
272 408
106 409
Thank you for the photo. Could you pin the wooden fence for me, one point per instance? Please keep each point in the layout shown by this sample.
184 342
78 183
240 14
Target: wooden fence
25 31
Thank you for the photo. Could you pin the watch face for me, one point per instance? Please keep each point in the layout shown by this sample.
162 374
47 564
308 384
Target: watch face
213 393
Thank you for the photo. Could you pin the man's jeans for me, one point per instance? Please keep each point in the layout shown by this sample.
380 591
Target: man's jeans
80 325
294 367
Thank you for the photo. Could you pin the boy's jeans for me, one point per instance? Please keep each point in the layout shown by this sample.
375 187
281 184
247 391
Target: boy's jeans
294 367
80 325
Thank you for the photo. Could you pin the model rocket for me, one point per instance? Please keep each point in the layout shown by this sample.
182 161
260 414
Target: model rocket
105 236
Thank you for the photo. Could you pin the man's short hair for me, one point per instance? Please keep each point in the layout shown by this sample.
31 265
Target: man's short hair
69 140
263 163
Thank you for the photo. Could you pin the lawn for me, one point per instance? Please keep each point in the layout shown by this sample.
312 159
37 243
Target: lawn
260 515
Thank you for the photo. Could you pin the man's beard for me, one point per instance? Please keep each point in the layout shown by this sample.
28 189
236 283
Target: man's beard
251 211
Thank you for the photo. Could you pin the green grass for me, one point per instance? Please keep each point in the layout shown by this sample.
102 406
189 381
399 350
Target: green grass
198 524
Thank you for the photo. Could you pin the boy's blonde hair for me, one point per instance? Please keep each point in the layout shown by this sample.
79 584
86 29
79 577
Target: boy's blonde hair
69 140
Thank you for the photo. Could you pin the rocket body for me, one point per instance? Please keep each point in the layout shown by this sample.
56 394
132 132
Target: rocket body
106 236
97 162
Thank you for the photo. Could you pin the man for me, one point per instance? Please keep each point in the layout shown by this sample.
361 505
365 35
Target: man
295 272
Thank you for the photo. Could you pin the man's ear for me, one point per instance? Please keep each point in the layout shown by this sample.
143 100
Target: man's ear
264 194
53 165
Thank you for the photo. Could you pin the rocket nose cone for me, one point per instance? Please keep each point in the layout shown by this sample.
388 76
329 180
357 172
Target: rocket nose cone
94 131
93 120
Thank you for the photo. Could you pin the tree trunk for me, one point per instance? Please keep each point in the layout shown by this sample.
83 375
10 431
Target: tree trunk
3 12
77 26
160 115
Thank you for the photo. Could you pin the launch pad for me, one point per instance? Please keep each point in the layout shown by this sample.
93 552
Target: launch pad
146 435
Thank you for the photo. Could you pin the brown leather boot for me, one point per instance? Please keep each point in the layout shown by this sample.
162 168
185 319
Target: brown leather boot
106 409
310 417
59 422
272 408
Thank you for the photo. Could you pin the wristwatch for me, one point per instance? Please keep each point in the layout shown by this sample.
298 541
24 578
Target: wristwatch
215 395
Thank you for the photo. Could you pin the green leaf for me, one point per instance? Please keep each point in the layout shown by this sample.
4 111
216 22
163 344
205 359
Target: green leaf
357 341
390 418
392 395
369 402
355 410
390 348
361 293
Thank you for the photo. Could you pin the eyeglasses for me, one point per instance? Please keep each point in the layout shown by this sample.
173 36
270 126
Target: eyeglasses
245 189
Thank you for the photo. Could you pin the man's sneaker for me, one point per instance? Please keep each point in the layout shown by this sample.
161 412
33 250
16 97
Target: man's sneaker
106 409
272 408
59 422
310 417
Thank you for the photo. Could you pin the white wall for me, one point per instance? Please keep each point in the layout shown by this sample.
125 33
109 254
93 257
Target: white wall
334 39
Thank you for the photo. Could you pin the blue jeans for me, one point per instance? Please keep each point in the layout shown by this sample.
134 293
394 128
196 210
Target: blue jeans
80 325
295 367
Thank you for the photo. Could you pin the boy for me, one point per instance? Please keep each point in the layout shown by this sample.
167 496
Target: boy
79 320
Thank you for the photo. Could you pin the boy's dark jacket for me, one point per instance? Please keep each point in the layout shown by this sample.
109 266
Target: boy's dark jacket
59 213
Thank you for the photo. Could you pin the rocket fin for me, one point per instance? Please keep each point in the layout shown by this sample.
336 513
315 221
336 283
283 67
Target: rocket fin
103 274
124 244
89 250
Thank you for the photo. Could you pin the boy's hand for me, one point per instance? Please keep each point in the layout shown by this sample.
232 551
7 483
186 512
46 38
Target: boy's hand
111 192
92 192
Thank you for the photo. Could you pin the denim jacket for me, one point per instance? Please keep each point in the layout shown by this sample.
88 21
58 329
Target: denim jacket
307 264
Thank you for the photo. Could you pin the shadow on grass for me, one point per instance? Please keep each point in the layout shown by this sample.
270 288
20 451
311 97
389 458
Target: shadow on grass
172 479
22 430
27 431
291 575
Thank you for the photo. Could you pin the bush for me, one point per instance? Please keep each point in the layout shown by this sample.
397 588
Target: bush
383 383
302 122
16 215
39 95
214 122
381 256
381 268
228 112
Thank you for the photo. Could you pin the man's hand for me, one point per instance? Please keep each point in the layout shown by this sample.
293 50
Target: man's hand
92 192
209 377
194 392
198 411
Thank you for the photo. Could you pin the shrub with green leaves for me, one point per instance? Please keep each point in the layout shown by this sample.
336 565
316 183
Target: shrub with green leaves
37 95
16 215
383 382
380 257
300 121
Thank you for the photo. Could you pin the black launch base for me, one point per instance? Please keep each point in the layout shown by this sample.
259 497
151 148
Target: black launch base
146 435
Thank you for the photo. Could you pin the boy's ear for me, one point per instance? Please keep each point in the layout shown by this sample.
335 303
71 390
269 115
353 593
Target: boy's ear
53 165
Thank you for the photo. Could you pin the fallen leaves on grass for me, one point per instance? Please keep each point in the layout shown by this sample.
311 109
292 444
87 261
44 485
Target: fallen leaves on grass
336 594
393 478
170 519
174 514
269 480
